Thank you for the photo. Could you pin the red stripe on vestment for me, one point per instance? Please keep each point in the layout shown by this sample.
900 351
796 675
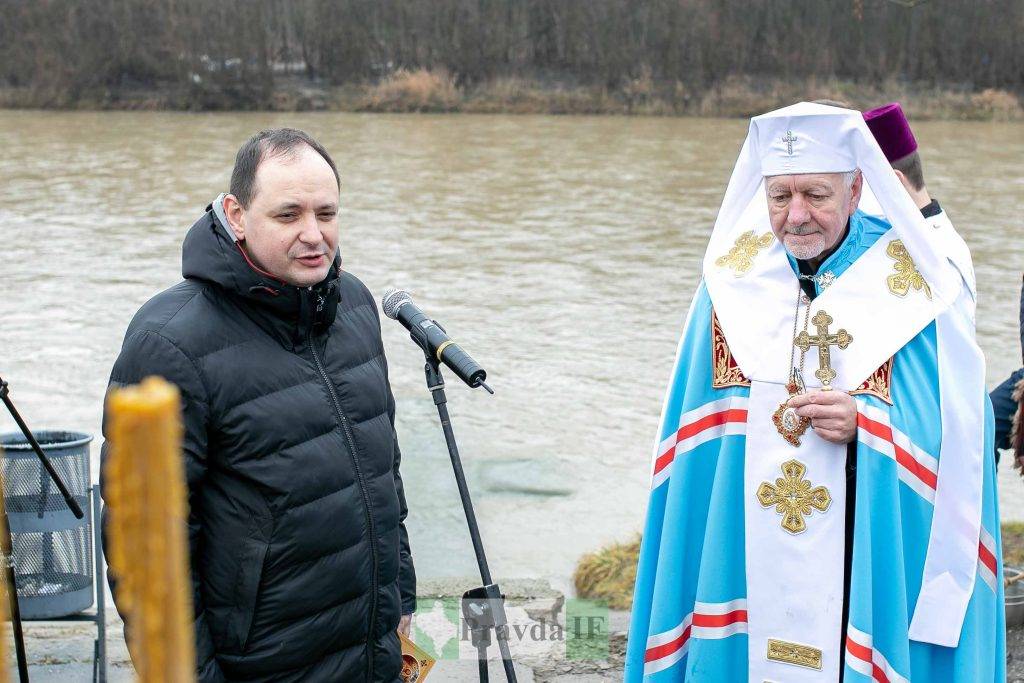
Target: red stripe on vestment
859 651
903 457
697 621
696 427
986 557
719 620
866 654
668 648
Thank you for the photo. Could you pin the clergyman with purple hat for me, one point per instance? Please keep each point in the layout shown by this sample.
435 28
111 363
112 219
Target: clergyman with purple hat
889 125
891 129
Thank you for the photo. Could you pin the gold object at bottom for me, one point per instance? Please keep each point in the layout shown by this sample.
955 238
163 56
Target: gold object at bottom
794 653
416 663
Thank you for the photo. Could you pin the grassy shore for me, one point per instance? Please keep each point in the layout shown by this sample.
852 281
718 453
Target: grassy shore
437 91
609 573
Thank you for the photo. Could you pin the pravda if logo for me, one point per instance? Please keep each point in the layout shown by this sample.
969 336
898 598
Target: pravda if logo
580 631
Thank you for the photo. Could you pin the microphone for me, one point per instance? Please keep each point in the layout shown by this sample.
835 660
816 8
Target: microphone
431 337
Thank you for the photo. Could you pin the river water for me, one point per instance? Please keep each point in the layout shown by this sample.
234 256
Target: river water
561 251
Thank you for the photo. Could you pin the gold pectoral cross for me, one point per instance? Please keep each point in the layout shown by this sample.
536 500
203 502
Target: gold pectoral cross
793 496
823 340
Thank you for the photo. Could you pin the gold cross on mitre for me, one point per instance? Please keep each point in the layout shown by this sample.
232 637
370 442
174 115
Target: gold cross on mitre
793 496
823 340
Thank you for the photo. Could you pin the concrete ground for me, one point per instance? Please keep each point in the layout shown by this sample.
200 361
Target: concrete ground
62 652
1015 655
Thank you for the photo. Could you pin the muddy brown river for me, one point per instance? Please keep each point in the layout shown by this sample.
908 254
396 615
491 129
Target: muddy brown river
561 251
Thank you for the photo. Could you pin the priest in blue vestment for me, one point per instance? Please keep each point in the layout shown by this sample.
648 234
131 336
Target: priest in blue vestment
821 505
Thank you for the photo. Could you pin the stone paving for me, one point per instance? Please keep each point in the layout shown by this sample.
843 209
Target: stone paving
62 652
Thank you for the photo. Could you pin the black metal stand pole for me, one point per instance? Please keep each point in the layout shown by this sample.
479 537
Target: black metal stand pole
12 590
5 531
483 607
481 657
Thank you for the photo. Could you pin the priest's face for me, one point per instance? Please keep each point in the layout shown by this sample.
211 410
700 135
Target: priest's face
809 211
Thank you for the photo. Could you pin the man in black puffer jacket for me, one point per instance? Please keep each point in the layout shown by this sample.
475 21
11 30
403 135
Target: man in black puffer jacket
300 559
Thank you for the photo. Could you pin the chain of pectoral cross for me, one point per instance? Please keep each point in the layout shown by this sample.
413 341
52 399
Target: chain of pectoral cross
796 375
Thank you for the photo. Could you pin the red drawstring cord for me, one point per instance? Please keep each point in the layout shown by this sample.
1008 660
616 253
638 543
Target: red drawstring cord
259 270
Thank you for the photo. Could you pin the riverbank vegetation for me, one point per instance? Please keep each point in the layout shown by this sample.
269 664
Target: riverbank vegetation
944 58
1013 544
438 91
609 573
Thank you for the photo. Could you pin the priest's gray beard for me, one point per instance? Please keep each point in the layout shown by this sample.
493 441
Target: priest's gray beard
809 245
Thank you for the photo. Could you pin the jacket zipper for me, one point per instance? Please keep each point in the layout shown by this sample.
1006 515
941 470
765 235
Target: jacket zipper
346 427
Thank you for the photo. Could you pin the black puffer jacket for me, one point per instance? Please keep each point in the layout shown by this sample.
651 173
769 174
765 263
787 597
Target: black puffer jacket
300 558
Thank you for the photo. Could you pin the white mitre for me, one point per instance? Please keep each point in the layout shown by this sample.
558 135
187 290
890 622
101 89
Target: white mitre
815 138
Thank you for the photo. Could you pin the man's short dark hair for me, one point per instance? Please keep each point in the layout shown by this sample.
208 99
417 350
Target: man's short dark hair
910 166
275 142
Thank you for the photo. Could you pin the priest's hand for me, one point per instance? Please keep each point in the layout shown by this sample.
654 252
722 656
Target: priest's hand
833 414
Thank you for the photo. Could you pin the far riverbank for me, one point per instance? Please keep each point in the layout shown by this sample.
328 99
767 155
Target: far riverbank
438 91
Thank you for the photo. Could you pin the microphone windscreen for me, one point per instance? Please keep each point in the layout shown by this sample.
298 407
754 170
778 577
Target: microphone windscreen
392 300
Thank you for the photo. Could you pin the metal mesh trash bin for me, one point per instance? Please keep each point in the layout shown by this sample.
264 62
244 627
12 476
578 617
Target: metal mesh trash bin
51 549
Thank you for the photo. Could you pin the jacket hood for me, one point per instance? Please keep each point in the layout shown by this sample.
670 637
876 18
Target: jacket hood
210 253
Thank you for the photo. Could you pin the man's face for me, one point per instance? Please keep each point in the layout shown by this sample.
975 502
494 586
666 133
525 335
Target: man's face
809 211
290 229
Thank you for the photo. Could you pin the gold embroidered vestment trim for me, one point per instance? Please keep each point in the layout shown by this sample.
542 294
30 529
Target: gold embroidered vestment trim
907 276
724 370
879 384
794 653
740 258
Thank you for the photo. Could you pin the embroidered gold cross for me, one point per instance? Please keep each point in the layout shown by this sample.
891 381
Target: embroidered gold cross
741 257
793 496
823 340
907 275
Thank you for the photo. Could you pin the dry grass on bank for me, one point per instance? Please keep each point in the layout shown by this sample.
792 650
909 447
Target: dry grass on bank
439 91
426 90
420 90
609 573
1013 544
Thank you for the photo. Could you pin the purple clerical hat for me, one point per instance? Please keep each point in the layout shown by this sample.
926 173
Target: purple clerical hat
891 130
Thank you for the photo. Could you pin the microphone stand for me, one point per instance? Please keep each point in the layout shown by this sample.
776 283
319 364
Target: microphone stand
483 607
5 532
